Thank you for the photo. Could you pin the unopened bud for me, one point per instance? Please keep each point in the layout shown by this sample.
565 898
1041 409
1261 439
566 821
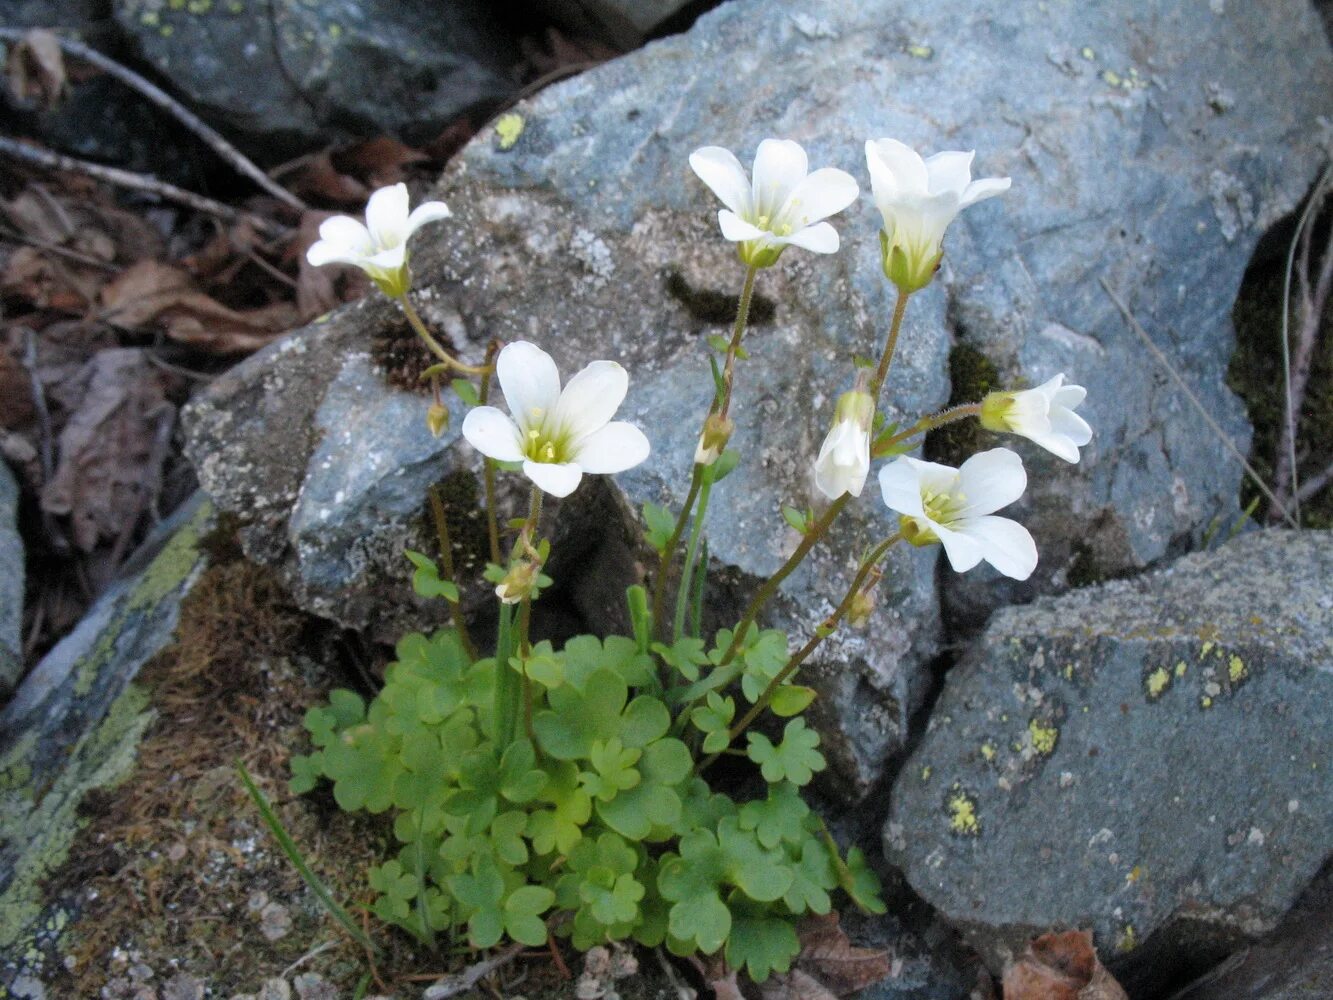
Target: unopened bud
518 582
863 606
437 418
713 441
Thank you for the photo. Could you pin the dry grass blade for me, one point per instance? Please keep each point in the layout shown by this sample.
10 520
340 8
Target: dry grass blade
1194 401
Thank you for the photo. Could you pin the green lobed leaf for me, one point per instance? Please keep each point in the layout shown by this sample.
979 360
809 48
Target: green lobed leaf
780 818
466 391
795 759
761 873
791 699
685 656
760 942
426 579
714 719
659 524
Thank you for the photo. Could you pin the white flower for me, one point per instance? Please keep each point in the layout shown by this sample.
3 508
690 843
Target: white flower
1044 415
784 205
955 508
844 457
918 199
557 434
380 246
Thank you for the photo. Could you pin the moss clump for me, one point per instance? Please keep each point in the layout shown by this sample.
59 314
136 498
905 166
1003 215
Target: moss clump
1256 375
971 376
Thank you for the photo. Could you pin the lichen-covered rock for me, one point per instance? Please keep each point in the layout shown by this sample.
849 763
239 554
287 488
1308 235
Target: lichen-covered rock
11 583
285 75
1147 759
72 727
579 225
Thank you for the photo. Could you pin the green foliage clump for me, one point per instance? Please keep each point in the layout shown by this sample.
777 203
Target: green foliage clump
594 822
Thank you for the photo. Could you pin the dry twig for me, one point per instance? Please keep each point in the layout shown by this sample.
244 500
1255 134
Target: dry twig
50 160
452 986
173 107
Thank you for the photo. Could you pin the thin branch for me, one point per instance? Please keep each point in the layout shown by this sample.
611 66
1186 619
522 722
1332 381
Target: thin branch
1314 485
173 107
50 160
1194 400
452 986
59 251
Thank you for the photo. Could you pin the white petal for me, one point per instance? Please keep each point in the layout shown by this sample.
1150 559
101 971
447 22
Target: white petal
1029 413
988 481
431 211
900 163
949 171
346 232
590 400
1070 396
825 192
963 551
323 252
902 481
390 259
559 480
616 447
1071 425
820 238
386 215
530 383
736 229
1057 444
779 165
1005 544
843 462
983 188
493 434
724 175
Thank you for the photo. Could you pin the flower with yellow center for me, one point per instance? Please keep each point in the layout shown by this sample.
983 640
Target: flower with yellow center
784 205
955 507
558 434
379 247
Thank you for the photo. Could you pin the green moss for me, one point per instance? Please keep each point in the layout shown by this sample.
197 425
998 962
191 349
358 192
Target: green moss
971 376
46 821
1256 375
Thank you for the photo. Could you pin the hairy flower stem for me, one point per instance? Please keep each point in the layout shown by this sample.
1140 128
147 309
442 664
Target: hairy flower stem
924 425
826 629
439 516
723 404
669 551
506 683
530 530
816 531
418 325
488 476
691 552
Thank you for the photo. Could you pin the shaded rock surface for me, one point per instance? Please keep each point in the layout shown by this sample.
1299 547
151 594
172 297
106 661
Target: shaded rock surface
624 23
580 226
1146 759
1295 963
11 583
72 727
288 75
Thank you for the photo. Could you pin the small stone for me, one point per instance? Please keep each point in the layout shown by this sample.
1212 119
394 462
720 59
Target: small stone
313 986
275 988
275 922
257 901
183 987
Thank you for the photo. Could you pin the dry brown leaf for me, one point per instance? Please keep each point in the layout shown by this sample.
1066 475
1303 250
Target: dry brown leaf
829 954
315 178
1061 966
35 69
110 460
46 281
16 406
378 162
152 292
795 985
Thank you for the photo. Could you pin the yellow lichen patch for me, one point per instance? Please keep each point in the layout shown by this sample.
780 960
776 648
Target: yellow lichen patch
1087 53
1128 939
1134 875
1205 649
963 815
1181 667
508 128
925 773
920 51
988 751
1236 669
1112 77
1157 682
1044 736
1205 702
199 6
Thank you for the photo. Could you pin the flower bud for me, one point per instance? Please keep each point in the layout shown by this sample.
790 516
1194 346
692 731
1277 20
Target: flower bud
713 441
863 606
1044 415
518 582
437 419
844 457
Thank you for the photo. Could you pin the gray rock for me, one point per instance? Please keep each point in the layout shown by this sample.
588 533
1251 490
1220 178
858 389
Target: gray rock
578 224
1145 759
290 74
11 583
73 726
1295 963
623 23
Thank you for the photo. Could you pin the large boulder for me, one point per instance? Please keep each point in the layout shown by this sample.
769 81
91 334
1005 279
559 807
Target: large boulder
72 728
11 583
288 74
578 224
1146 758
